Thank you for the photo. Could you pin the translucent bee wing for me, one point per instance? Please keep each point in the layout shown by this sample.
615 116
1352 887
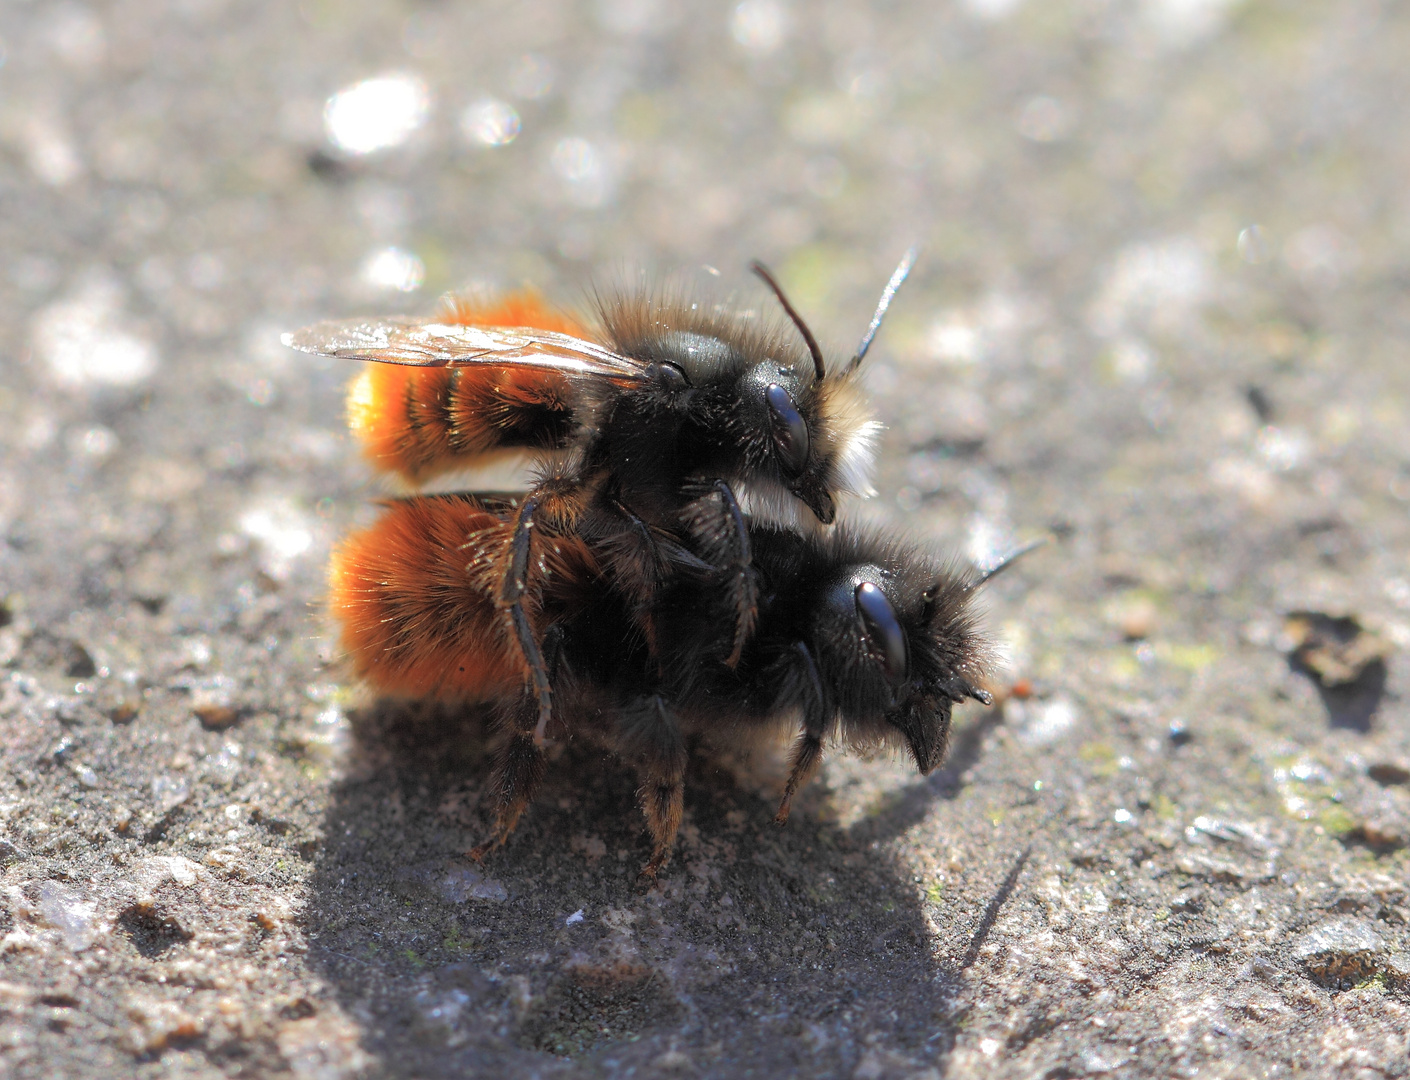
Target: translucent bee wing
418 343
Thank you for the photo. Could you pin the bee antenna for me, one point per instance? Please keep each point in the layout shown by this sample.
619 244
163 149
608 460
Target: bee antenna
902 271
763 272
1007 561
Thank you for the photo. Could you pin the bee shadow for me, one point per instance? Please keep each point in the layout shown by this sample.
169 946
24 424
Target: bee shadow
802 948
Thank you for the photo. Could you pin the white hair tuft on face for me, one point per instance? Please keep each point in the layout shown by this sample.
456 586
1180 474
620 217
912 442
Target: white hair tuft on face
774 504
856 458
847 423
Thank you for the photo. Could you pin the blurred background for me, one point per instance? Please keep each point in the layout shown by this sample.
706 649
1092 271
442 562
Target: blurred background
1159 314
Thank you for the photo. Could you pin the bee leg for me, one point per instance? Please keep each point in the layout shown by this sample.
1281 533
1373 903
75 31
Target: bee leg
653 733
743 589
511 595
807 752
517 771
543 690
552 650
806 755
663 803
639 571
723 535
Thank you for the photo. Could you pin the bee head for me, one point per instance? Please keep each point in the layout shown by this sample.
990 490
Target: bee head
821 434
789 444
753 410
899 649
762 415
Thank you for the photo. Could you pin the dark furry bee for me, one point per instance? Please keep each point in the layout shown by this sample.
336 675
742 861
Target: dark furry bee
859 638
663 410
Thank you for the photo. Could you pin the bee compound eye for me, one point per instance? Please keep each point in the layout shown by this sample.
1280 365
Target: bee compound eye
790 430
884 629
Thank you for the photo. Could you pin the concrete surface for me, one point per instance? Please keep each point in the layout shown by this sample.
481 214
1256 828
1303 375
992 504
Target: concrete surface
1161 313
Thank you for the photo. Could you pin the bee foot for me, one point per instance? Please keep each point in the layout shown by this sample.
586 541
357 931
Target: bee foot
646 880
478 854
784 807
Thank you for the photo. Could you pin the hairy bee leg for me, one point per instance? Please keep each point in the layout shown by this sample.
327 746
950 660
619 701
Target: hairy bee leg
511 594
807 752
543 689
552 650
644 617
720 531
518 769
742 587
657 739
663 803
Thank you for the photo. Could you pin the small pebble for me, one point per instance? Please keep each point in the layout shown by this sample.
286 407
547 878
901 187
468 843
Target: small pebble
1340 950
1388 832
1135 616
124 712
213 707
465 884
1397 968
169 792
1387 773
157 1023
74 917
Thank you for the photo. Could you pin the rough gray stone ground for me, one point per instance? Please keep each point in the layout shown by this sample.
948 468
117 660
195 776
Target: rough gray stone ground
1161 314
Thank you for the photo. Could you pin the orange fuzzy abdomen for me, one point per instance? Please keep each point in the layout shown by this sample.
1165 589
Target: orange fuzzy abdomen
413 597
418 422
413 620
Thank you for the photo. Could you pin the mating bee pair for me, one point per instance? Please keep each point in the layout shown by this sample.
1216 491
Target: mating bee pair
628 595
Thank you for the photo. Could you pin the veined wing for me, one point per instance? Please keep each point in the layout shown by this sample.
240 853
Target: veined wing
419 343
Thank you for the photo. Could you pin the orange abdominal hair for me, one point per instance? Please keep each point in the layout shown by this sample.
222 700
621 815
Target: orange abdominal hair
412 621
413 599
418 422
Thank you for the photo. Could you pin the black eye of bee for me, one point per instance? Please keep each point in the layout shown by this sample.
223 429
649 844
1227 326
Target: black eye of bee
789 427
884 629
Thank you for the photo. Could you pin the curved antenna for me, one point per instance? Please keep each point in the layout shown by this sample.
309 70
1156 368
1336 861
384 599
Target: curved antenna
1007 561
899 275
763 272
